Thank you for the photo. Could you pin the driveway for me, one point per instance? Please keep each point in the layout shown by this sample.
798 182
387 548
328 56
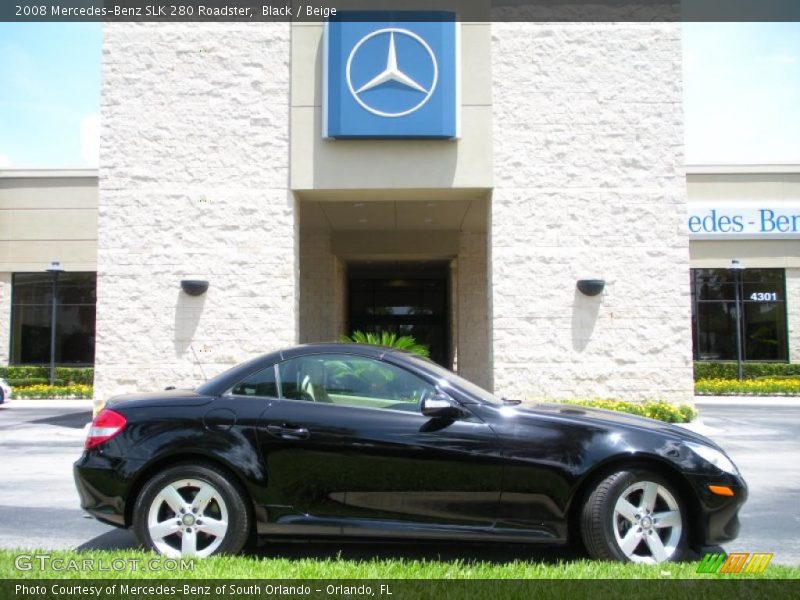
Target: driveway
39 441
39 506
764 442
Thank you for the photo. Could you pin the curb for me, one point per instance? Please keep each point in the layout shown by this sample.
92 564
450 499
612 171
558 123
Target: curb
699 426
77 403
747 401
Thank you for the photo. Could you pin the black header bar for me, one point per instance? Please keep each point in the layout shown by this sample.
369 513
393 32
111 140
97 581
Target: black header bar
246 11
735 588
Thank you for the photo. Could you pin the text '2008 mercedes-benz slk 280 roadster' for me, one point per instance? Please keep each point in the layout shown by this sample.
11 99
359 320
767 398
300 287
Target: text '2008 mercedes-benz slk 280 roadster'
363 441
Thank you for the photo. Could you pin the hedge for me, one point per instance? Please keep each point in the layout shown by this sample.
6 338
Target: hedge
19 383
77 375
764 386
54 391
750 370
653 409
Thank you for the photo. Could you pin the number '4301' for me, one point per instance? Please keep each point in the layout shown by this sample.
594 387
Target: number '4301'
764 296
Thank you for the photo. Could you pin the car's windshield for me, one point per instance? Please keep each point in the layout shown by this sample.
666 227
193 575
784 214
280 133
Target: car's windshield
457 381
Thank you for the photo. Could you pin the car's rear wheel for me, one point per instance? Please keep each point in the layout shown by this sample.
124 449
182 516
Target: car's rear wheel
191 510
635 516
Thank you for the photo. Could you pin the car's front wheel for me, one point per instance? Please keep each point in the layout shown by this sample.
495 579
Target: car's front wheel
191 510
635 516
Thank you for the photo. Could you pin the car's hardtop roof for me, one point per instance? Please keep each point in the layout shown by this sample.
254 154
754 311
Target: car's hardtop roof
343 347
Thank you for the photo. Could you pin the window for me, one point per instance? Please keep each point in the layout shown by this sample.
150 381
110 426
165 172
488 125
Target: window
261 384
31 313
351 381
763 296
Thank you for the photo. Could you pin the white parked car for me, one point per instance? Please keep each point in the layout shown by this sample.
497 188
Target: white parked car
5 391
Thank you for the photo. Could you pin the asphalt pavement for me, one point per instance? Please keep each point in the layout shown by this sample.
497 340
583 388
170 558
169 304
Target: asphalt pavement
39 507
764 442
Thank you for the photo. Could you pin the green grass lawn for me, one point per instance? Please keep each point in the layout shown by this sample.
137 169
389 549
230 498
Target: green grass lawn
255 567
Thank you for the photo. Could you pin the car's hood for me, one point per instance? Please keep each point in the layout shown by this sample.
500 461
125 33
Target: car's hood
610 419
166 397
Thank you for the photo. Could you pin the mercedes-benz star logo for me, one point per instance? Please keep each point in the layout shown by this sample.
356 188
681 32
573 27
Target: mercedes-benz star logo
392 72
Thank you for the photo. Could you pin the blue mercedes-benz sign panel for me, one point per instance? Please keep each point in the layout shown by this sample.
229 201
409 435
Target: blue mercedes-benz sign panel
392 77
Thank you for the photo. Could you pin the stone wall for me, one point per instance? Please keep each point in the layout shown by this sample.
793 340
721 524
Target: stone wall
193 184
589 182
321 288
474 337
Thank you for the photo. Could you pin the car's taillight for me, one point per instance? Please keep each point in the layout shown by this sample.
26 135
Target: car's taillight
105 426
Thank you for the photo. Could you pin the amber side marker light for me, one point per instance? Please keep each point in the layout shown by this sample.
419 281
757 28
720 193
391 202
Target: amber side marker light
720 490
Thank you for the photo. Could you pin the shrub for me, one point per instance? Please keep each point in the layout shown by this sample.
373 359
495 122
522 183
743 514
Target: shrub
21 383
688 412
82 375
653 409
79 375
764 386
390 340
750 370
54 391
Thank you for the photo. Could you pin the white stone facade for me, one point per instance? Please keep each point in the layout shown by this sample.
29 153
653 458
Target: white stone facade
575 132
193 184
589 182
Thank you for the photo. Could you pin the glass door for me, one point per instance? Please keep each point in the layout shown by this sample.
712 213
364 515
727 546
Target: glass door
406 299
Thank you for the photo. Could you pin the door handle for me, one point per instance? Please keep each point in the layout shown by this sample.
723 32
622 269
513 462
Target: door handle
286 432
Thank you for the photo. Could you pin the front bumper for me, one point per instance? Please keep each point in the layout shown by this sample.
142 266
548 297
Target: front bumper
719 515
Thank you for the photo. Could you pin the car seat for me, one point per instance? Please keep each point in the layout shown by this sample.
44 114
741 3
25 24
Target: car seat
312 381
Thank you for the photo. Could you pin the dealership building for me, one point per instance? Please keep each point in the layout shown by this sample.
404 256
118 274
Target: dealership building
513 195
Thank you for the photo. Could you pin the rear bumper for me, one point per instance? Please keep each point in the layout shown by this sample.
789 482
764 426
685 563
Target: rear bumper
102 488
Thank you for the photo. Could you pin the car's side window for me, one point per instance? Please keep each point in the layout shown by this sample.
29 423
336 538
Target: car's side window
262 383
355 381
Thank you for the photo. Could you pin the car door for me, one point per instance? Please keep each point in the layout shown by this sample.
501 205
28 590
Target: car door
347 441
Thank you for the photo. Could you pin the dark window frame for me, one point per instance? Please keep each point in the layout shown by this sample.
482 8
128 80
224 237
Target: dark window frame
746 279
13 358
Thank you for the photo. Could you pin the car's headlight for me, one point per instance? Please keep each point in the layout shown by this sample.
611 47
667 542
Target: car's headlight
714 456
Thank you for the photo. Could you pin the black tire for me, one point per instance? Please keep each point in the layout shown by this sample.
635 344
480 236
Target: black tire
239 516
598 519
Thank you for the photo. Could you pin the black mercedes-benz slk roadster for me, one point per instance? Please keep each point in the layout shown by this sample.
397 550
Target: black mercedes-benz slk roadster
362 441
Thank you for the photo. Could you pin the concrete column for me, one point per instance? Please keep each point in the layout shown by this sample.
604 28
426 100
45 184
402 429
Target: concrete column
793 312
5 317
321 288
473 310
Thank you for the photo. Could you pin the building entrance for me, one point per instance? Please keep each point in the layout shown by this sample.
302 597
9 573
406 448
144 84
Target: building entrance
406 298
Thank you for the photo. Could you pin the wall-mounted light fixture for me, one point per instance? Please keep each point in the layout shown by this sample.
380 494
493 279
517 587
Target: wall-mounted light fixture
194 287
591 287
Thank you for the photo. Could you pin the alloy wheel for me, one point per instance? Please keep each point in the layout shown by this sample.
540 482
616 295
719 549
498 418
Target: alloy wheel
187 517
647 523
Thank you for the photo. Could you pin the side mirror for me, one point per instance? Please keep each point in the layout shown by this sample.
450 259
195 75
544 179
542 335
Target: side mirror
441 406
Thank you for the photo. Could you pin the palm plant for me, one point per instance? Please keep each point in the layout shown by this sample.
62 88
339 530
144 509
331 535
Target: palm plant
387 339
